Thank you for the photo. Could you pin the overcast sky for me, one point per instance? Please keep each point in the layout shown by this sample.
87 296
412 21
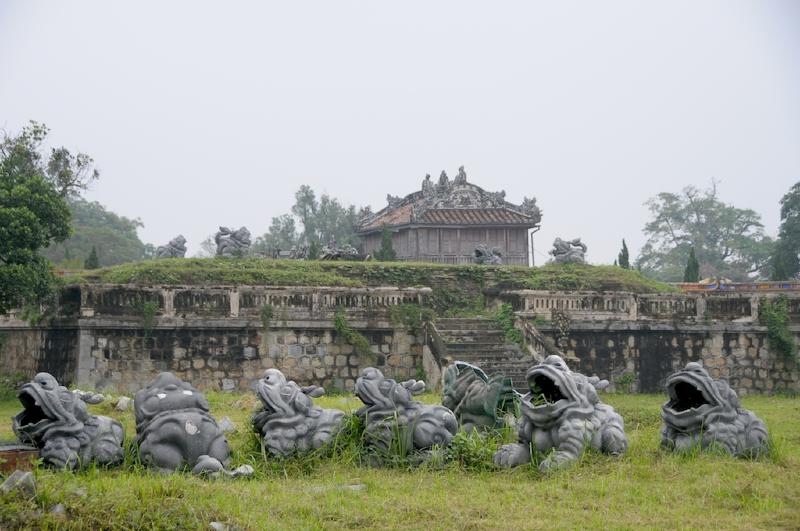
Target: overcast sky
204 114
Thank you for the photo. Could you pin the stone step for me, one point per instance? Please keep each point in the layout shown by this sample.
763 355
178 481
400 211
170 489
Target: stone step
465 324
472 333
481 347
486 325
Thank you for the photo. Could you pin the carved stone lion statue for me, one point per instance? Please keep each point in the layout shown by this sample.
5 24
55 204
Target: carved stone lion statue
176 248
706 412
56 421
562 412
390 412
288 421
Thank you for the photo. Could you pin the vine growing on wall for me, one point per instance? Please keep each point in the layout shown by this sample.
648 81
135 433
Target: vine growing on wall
412 317
774 314
266 315
351 336
148 310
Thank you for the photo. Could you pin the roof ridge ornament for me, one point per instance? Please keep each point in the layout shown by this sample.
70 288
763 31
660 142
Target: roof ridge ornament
446 194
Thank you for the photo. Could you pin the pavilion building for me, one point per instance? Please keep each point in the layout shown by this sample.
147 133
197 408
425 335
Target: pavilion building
446 221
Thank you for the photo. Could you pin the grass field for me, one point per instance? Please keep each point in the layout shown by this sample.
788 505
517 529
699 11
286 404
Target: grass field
645 488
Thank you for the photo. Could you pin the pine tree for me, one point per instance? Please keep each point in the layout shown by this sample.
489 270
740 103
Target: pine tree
692 271
313 250
624 258
92 262
386 253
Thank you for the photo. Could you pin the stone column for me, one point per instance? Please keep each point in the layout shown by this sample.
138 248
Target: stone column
169 302
85 365
233 296
701 307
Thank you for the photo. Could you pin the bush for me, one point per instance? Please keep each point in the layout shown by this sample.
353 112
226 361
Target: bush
505 320
411 316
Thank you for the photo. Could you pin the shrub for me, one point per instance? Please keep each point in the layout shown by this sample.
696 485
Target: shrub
504 317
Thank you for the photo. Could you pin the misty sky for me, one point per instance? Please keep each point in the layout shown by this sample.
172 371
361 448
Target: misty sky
204 114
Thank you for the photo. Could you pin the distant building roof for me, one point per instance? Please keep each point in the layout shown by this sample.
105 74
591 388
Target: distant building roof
455 202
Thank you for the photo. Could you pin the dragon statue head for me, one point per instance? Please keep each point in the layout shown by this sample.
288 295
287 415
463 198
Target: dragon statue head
288 419
49 409
704 411
554 390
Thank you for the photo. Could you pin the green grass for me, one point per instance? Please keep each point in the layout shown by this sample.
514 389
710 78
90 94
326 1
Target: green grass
258 271
647 487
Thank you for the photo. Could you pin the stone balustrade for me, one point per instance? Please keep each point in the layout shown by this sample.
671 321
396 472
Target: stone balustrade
286 303
623 306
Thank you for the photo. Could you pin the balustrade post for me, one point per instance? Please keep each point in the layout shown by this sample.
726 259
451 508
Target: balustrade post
233 296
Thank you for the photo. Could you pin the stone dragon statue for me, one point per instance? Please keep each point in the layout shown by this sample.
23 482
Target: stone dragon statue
704 411
56 421
485 256
563 414
569 252
390 411
176 248
288 421
174 428
232 243
478 401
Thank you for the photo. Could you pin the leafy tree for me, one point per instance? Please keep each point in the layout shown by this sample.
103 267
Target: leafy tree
92 262
68 174
692 271
321 220
386 253
208 248
623 259
115 237
728 241
786 258
33 213
305 208
282 235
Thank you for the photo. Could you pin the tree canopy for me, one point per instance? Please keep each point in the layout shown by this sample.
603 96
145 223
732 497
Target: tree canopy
786 258
282 235
33 213
728 241
114 237
320 221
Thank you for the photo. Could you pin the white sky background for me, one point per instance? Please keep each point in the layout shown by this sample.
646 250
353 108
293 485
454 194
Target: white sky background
205 114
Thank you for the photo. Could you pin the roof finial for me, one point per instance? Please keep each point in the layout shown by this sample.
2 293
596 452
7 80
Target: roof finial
461 178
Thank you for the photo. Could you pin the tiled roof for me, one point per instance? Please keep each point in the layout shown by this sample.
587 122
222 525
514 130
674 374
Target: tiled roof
450 216
482 216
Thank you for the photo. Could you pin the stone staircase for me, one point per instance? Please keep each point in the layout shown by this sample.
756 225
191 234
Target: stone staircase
481 342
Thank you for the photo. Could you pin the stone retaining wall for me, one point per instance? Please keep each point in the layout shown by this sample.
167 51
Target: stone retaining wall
225 358
119 337
740 354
